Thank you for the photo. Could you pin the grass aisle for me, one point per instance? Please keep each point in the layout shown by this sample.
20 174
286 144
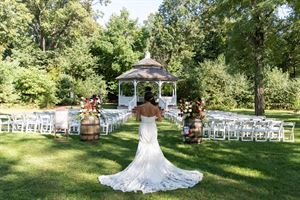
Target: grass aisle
36 166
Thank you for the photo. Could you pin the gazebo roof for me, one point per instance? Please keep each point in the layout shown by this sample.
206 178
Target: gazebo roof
147 69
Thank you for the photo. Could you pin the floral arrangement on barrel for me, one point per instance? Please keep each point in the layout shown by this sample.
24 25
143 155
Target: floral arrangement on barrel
193 114
192 109
90 107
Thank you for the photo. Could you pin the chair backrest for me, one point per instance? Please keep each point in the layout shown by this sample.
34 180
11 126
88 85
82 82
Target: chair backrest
289 125
31 116
61 119
18 117
5 118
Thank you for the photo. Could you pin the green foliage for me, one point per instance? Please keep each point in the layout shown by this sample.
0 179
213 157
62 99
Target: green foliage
118 47
14 20
66 91
220 89
173 31
62 40
77 61
35 86
7 90
295 90
90 86
241 90
280 91
58 23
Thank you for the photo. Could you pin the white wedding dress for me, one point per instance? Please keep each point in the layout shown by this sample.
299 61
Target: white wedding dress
150 171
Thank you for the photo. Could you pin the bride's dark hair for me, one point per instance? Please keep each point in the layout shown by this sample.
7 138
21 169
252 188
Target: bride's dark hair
149 97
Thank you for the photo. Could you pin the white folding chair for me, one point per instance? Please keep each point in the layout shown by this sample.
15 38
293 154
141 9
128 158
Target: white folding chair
206 130
61 122
18 122
31 122
288 134
219 130
276 131
246 130
261 131
74 123
46 122
5 123
233 130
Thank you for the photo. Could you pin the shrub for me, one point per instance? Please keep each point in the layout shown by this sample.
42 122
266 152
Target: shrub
66 88
241 91
221 90
280 91
7 91
35 86
294 88
92 85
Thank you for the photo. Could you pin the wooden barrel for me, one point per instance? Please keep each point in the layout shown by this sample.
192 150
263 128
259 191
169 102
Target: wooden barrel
192 130
90 129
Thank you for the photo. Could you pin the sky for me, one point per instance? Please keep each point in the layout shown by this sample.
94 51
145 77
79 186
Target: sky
137 8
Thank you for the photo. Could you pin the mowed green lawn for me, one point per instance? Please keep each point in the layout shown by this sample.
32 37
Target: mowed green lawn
34 166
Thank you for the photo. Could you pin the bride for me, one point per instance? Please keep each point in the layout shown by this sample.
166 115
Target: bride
150 171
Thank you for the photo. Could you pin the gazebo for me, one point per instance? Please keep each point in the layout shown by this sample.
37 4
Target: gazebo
147 70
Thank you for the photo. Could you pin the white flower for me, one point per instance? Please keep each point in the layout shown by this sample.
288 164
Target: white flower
190 110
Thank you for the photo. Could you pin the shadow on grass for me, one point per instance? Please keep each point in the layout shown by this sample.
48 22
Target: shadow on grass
232 170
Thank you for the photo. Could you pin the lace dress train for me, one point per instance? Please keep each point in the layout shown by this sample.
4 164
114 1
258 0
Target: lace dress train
150 171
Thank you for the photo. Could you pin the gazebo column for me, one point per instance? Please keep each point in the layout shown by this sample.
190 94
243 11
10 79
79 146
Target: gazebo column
175 93
119 97
159 89
135 92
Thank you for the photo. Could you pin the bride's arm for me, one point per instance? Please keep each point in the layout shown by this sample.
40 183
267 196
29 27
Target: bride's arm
138 114
158 115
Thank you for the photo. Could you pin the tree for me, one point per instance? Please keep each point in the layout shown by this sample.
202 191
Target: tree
118 47
250 22
288 37
173 32
57 23
77 61
14 19
184 33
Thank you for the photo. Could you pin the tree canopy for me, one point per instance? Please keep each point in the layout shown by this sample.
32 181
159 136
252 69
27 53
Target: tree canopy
229 52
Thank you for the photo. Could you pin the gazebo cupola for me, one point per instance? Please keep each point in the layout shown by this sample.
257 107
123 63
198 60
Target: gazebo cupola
147 70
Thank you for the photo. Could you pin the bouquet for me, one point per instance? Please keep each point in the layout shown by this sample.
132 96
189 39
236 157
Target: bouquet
192 109
90 107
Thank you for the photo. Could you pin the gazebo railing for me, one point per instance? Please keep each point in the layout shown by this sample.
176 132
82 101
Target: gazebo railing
163 104
132 103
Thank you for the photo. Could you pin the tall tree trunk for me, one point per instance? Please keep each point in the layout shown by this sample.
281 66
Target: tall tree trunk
259 77
42 42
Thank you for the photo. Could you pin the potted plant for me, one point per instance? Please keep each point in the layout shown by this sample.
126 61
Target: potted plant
193 114
90 113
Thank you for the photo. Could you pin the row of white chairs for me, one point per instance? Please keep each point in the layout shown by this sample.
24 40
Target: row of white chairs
249 130
223 125
112 119
173 115
48 122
